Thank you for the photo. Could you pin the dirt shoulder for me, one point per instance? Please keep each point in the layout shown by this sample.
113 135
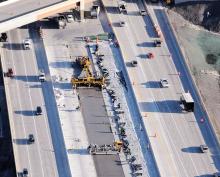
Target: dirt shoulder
195 45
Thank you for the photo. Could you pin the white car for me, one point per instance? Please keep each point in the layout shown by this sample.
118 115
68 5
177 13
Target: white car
27 43
164 83
42 77
204 148
70 18
143 12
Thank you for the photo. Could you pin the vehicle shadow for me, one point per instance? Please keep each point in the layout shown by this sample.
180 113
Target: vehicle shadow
146 44
61 64
20 141
25 112
151 84
35 86
27 78
64 86
193 149
161 106
112 10
13 46
78 151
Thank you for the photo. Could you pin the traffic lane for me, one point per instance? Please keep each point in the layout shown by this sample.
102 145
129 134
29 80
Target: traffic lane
27 110
23 7
206 129
137 32
161 68
130 43
35 89
51 107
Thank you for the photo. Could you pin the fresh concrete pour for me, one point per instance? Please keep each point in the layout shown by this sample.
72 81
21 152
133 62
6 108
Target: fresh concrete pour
98 130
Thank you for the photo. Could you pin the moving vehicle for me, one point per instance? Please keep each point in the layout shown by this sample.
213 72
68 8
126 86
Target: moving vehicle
143 12
95 11
164 83
187 101
42 77
204 148
3 37
38 110
157 43
150 55
9 73
27 44
134 63
25 172
61 22
31 139
122 7
122 23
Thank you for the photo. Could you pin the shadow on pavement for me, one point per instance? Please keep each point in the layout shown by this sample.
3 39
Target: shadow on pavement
25 113
151 84
35 86
193 149
161 106
20 141
78 151
27 78
13 46
61 64
64 86
146 44
112 10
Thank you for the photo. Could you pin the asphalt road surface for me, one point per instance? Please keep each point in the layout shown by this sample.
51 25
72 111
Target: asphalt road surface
99 132
23 7
175 136
47 156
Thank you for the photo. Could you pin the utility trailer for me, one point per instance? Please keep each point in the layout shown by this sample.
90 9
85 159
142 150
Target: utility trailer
187 101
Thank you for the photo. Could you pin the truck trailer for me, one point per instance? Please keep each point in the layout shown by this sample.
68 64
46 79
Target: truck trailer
187 101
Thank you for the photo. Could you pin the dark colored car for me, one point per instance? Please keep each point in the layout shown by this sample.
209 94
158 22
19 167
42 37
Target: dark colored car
39 110
25 172
31 138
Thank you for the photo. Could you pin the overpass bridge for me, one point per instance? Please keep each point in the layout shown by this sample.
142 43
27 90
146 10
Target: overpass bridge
16 13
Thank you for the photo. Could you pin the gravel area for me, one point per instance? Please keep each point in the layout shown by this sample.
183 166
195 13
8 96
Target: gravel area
205 14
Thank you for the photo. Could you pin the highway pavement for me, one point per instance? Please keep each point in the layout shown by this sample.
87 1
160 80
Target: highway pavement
175 136
23 7
47 156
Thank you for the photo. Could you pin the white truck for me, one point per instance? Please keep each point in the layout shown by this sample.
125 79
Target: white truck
95 11
187 101
42 77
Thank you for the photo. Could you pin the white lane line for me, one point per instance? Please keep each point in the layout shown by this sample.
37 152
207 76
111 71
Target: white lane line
31 103
19 101
45 118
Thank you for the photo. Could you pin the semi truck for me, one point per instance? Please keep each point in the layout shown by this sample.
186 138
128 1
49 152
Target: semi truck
187 101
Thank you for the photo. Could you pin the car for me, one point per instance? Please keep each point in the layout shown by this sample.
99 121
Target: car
3 37
164 83
157 43
150 55
134 63
217 174
143 12
104 70
31 139
70 18
27 44
204 148
38 110
42 77
122 23
25 172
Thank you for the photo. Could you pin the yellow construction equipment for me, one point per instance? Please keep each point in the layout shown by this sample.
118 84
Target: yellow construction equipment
88 79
